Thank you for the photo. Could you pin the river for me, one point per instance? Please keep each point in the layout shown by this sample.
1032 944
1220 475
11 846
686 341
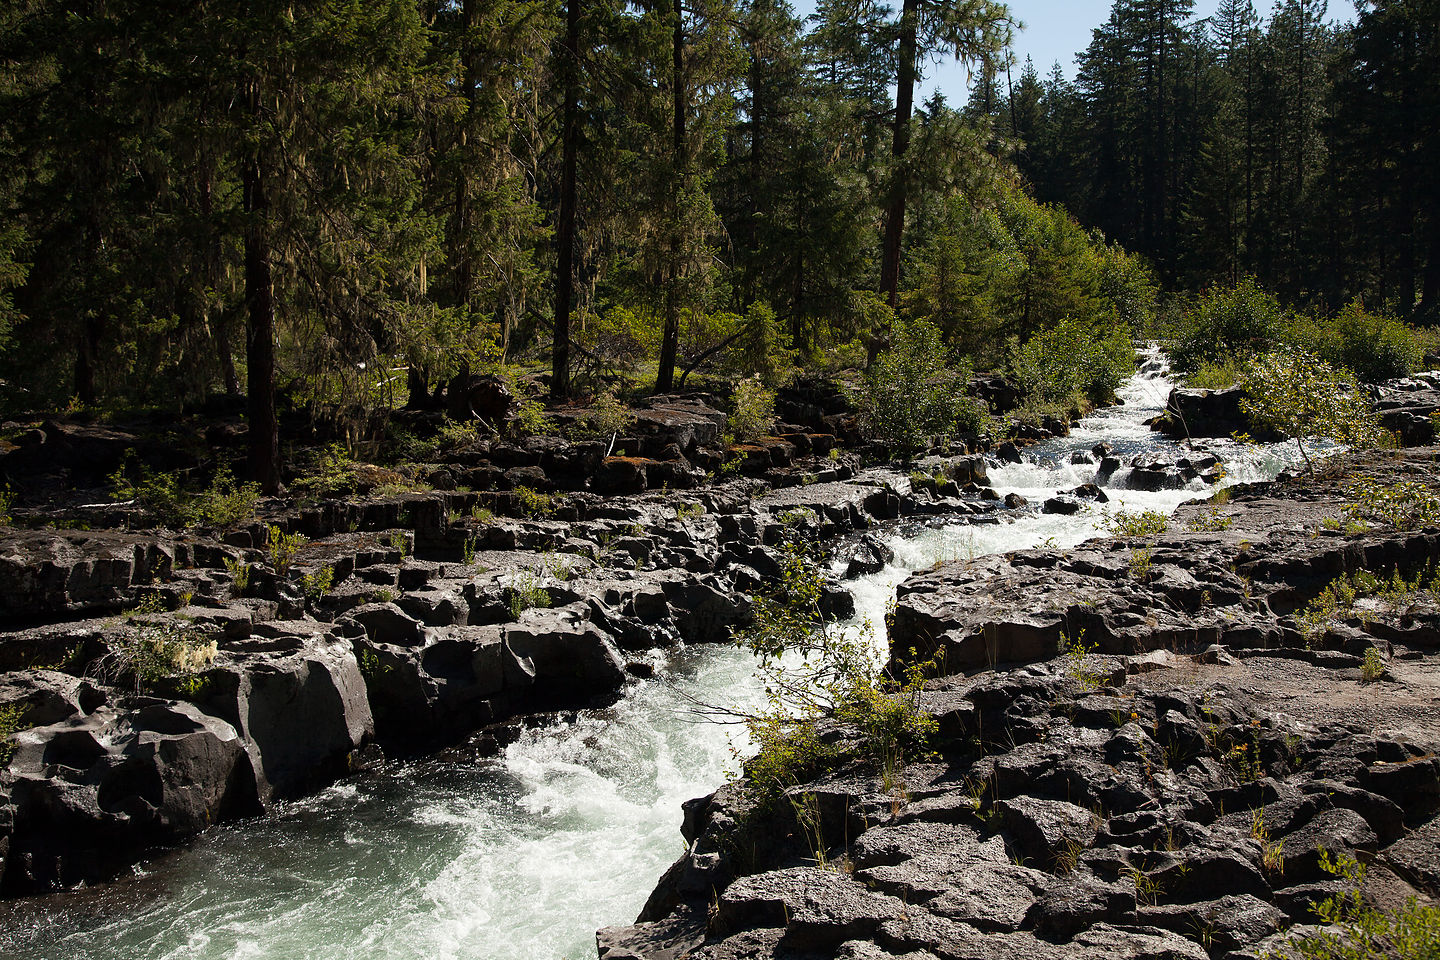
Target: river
522 856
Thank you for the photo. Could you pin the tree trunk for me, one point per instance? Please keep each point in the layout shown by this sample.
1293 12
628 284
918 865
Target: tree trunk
670 336
260 323
565 228
895 206
464 277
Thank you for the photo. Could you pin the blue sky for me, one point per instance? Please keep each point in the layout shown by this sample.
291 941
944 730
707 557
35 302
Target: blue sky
1055 30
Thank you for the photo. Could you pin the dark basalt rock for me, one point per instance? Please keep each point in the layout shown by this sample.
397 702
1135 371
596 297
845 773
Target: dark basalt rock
1155 797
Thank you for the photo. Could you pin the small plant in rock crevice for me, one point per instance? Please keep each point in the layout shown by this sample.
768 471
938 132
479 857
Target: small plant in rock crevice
817 674
281 548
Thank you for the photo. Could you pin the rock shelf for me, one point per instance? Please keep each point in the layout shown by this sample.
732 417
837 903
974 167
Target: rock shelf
1162 790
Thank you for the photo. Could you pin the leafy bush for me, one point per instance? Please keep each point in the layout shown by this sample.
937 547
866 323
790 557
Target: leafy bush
1147 523
1354 930
10 724
1074 362
1242 320
914 392
223 503
281 548
331 473
838 674
754 412
607 416
1373 346
533 503
156 650
533 419
1301 396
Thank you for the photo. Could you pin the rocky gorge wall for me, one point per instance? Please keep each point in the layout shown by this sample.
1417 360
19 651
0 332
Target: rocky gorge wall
399 624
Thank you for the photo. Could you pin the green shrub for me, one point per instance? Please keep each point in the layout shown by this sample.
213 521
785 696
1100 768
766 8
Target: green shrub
607 416
754 410
914 391
533 419
814 670
1074 362
1242 320
282 547
156 650
1373 346
1353 930
1301 396
225 503
1216 374
331 473
533 503
1147 523
10 724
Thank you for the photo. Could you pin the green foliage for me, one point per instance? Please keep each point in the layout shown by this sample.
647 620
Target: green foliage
533 503
915 390
317 583
1353 930
1018 268
10 724
281 548
1209 521
607 416
754 411
814 671
331 474
1074 362
762 347
1228 326
1147 523
1302 397
1077 654
1404 504
224 503
1216 374
689 511
7 502
1374 347
534 420
1228 322
155 650
239 572
1372 665
526 593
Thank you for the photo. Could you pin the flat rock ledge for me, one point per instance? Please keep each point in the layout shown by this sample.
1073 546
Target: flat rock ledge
1163 790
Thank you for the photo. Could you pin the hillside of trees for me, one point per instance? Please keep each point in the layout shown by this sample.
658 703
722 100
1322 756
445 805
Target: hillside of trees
344 204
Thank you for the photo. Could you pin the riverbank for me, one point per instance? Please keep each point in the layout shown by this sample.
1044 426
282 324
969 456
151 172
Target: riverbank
1237 694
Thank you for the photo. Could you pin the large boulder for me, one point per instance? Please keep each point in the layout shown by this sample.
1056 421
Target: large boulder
92 794
440 691
300 706
1203 413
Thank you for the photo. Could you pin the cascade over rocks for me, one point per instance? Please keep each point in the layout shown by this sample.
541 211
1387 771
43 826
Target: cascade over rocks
407 622
1132 759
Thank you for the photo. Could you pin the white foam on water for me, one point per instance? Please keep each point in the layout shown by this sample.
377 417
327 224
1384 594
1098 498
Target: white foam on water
525 855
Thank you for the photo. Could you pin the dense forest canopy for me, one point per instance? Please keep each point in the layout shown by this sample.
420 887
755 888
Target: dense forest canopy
327 197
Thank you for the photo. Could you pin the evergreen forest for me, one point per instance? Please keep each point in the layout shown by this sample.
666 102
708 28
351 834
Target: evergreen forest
336 206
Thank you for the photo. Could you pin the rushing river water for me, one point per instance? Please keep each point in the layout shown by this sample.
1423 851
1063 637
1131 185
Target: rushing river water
526 854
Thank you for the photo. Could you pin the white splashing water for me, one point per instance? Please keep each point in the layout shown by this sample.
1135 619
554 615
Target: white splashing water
524 856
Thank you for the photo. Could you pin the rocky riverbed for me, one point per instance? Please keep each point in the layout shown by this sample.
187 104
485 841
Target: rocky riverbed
1163 789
